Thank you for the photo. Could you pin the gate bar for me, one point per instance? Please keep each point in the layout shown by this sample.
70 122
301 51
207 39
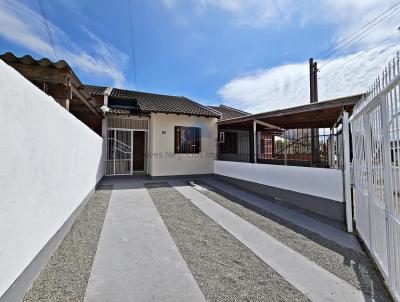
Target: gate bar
346 172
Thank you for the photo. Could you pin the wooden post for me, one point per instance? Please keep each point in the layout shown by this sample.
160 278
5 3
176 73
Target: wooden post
314 99
311 66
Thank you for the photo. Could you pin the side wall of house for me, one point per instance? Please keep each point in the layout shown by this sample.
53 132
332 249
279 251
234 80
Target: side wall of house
163 160
50 163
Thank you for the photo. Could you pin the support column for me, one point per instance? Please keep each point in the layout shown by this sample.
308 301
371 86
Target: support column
346 172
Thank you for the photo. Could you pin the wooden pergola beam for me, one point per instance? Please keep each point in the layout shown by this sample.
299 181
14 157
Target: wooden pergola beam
79 94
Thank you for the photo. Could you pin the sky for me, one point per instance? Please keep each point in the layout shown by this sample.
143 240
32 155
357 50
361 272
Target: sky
248 54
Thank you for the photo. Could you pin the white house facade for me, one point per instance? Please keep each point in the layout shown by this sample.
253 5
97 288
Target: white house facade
156 135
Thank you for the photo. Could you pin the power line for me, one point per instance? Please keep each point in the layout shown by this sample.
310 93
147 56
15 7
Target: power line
46 24
359 37
132 44
343 46
358 30
374 45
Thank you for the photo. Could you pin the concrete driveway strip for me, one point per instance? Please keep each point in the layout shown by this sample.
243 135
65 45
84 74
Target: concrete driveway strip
331 233
137 259
315 282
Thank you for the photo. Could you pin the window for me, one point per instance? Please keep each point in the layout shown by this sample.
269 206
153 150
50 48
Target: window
230 143
187 139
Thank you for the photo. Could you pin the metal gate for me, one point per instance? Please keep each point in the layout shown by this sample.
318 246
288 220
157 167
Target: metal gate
120 139
375 126
119 152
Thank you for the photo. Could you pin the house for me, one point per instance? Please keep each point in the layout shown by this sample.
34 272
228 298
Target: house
163 135
154 134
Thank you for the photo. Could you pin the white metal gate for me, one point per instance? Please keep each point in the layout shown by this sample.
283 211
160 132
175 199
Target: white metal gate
119 152
375 126
120 137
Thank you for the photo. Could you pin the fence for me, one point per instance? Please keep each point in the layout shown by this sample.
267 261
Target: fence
292 147
375 128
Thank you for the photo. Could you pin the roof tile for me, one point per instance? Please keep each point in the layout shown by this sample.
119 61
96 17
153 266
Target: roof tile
151 102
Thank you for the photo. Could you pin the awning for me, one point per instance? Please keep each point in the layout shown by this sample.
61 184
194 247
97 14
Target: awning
316 115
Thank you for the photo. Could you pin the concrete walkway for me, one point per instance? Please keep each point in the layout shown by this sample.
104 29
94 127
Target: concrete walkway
315 282
338 236
136 259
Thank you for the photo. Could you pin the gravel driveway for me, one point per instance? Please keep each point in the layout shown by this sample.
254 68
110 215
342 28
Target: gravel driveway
65 277
354 268
224 268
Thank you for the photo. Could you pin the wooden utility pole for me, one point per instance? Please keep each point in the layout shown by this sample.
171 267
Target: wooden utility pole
312 82
314 99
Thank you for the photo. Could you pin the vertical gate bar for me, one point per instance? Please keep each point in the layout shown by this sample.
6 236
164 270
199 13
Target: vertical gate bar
368 163
131 152
115 145
255 141
388 194
346 172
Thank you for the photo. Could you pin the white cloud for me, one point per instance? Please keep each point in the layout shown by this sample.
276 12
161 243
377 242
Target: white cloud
244 12
350 71
347 16
269 89
25 27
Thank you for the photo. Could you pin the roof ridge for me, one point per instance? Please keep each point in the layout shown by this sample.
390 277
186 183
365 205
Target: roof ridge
235 109
203 106
143 92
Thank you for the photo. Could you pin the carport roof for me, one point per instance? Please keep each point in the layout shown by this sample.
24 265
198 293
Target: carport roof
315 115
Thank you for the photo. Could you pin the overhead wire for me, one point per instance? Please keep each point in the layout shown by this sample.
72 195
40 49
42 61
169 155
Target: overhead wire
46 24
359 37
355 32
132 43
376 21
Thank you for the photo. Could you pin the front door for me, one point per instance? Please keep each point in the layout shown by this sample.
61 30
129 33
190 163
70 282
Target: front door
138 151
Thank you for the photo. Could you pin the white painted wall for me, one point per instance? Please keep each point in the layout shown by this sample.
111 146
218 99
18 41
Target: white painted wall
49 162
163 160
326 183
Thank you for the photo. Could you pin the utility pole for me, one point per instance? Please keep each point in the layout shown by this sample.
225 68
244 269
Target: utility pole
314 99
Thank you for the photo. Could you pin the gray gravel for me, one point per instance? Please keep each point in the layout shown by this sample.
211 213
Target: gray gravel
66 275
348 265
283 203
224 269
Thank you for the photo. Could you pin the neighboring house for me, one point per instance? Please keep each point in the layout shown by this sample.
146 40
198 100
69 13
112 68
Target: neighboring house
229 112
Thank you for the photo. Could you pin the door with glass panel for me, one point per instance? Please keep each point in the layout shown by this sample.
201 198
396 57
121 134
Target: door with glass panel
119 152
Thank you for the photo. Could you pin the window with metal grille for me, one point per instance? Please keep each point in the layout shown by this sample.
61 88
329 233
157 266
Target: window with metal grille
187 139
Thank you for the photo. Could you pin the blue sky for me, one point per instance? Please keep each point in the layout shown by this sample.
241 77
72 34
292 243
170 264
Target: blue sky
213 51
